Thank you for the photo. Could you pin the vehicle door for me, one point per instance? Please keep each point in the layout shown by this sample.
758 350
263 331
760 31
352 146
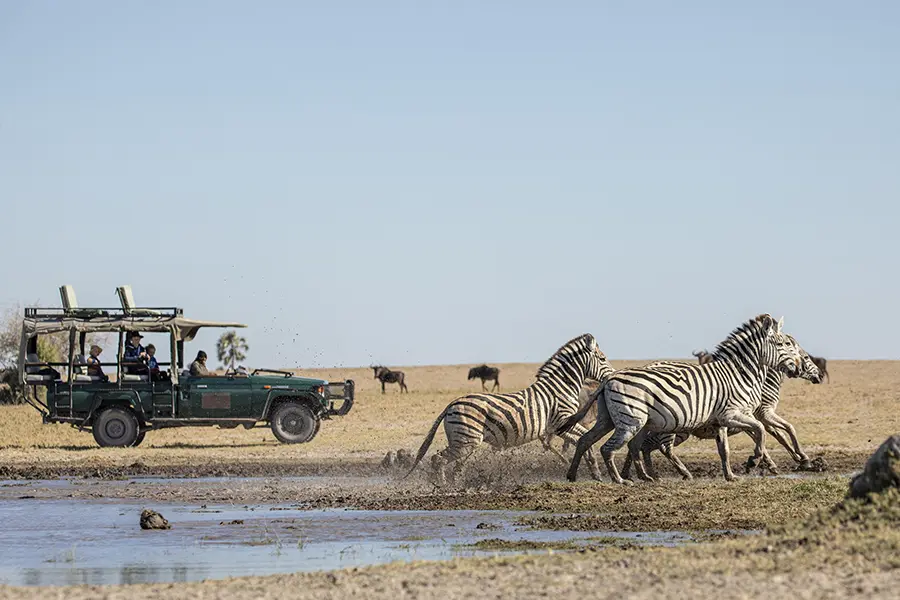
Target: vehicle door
217 397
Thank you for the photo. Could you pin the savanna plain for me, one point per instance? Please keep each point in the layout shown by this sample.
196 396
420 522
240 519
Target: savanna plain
805 539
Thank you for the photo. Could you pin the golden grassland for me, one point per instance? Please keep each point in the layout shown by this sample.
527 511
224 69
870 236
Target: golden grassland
851 414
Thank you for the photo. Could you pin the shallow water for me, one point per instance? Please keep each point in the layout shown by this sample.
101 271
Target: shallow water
54 542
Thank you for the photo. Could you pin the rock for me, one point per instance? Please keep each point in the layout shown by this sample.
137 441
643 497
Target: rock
882 470
150 519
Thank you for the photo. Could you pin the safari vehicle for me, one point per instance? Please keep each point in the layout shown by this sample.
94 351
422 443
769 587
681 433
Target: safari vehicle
120 412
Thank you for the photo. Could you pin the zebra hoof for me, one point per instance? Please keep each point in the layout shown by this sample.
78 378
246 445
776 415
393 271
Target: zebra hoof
626 482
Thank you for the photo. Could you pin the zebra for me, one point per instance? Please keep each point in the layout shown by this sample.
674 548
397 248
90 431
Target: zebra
385 375
535 413
822 364
486 373
764 413
723 393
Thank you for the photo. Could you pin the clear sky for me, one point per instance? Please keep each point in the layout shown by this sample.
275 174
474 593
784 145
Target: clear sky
452 182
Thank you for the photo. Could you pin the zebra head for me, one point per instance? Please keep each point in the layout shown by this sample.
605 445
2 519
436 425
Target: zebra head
808 370
598 367
779 350
577 360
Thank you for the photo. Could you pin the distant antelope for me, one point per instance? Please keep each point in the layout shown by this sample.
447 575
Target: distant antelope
703 356
385 375
822 364
486 373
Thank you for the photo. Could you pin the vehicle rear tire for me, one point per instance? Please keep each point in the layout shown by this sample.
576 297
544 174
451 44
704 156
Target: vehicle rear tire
116 427
139 439
294 423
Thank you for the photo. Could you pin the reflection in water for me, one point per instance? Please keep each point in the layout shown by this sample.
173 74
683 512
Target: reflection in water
65 543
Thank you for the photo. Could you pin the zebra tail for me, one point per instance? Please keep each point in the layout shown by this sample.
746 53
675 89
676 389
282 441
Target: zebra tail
574 419
428 439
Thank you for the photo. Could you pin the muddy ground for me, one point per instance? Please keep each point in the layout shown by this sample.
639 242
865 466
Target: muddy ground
841 422
851 550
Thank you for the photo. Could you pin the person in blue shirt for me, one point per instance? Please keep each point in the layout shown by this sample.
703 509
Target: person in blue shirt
135 354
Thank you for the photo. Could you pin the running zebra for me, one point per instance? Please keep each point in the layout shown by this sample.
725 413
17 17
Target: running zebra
765 414
535 413
723 393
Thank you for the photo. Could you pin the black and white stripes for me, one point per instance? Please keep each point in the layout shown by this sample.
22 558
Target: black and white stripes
535 413
681 398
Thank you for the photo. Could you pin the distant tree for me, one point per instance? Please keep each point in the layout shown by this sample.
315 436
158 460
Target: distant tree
231 349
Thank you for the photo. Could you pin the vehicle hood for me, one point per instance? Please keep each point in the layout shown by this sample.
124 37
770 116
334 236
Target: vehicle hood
286 382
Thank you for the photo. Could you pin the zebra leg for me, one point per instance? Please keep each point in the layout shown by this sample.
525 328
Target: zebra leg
546 442
765 461
575 434
724 454
755 429
626 468
648 462
778 426
668 451
634 449
584 443
621 437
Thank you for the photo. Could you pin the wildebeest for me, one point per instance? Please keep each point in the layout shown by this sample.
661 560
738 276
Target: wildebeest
486 373
703 356
385 375
822 364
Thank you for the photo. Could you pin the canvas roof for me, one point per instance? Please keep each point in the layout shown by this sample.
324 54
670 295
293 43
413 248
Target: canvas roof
183 329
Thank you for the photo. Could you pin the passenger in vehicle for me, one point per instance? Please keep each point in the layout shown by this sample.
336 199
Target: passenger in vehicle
155 373
135 355
198 367
94 369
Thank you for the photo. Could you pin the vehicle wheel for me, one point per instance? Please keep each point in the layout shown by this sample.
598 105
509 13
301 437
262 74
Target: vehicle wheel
116 427
139 439
294 423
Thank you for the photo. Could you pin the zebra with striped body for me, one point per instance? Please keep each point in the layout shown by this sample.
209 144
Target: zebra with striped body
723 393
535 413
765 413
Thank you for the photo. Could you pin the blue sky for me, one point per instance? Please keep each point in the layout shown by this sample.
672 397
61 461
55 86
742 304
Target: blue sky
436 182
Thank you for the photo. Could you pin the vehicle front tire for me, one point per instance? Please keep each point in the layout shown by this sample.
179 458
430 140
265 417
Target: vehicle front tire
116 427
139 439
294 423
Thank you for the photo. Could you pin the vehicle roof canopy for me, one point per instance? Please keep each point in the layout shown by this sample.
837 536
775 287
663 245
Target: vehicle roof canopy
182 328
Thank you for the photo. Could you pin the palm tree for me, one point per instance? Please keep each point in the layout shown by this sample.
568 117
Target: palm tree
231 349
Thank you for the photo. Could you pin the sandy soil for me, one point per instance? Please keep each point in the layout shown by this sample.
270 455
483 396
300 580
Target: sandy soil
841 422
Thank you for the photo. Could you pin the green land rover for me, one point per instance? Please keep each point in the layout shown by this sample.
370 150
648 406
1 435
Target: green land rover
120 411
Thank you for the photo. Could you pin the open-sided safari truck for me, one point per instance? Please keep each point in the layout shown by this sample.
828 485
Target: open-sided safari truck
120 411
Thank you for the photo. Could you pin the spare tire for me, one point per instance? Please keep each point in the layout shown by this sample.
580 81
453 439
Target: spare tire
294 423
115 427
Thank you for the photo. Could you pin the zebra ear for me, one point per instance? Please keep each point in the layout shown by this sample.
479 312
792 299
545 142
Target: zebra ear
780 324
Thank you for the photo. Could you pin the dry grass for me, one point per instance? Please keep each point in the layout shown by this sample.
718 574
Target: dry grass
852 414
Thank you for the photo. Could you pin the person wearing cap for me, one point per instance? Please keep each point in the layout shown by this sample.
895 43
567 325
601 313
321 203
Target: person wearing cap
198 367
93 363
135 354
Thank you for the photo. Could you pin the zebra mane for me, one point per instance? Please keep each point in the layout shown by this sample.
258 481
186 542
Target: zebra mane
741 334
583 341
